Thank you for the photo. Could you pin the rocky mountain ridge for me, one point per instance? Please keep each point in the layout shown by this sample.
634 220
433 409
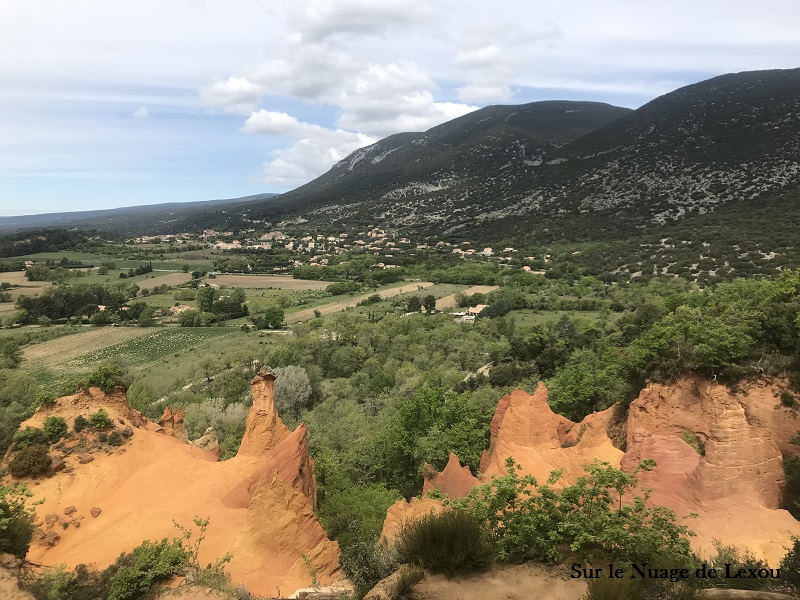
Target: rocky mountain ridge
567 170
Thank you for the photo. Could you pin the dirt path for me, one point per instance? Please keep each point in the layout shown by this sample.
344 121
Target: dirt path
333 307
63 349
509 582
450 301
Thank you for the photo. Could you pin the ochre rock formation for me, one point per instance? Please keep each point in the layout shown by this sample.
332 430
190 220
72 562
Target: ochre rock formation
454 481
525 428
257 502
171 423
735 487
208 442
402 512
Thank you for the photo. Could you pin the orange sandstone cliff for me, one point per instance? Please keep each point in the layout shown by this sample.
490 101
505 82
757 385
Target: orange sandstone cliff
718 453
259 502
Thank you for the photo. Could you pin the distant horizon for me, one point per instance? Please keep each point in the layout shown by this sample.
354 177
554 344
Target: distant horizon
104 108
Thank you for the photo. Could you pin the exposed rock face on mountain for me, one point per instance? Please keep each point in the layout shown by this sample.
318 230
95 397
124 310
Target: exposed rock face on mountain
718 453
256 502
557 169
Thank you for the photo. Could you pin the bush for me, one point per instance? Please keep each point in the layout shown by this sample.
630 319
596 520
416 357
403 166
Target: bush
530 521
114 439
30 436
30 462
80 423
16 520
365 562
639 589
451 542
55 428
148 563
100 420
407 578
790 565
106 377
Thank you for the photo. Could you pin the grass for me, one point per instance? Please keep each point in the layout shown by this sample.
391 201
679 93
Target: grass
527 317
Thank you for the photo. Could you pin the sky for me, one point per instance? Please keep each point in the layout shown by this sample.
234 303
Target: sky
107 103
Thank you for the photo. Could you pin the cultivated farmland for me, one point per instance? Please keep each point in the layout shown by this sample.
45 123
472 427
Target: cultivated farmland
169 279
57 352
332 307
269 281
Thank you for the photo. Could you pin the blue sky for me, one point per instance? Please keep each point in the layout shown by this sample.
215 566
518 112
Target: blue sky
105 103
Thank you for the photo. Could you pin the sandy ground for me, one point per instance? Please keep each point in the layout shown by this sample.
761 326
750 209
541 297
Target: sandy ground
9 589
503 582
333 307
169 279
450 301
269 281
69 347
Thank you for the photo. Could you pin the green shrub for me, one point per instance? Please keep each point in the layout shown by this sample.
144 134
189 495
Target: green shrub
604 588
451 542
695 442
100 420
147 564
407 578
106 377
55 428
787 399
365 561
80 423
732 556
30 436
30 462
114 438
529 521
16 520
790 565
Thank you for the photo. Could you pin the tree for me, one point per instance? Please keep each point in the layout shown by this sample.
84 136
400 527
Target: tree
429 302
16 520
292 390
205 298
271 319
10 353
413 304
146 317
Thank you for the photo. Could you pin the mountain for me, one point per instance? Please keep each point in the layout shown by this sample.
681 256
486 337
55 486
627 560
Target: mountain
569 170
128 220
410 179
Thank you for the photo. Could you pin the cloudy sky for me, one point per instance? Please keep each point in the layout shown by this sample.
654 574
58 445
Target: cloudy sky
109 103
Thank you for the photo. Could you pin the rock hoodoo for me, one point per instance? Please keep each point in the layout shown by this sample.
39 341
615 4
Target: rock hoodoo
718 453
171 424
257 502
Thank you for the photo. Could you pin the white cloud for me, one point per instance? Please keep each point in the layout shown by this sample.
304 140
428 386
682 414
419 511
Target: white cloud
319 20
278 123
309 157
235 94
141 113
